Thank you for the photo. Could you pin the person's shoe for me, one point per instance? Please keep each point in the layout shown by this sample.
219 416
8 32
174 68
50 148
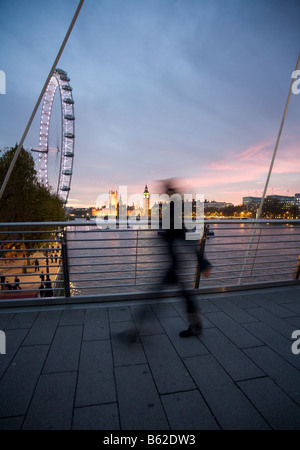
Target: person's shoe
191 331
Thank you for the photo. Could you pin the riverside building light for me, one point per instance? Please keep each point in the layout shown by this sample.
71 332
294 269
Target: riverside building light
120 216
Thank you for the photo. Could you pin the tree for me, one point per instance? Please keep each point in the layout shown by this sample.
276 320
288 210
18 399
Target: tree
26 200
228 211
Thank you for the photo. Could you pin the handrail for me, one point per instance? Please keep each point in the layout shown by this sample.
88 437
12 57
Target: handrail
137 223
85 264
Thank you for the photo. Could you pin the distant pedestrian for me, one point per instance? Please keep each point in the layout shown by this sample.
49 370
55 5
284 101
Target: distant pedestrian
2 282
17 283
42 290
48 286
8 286
42 276
36 263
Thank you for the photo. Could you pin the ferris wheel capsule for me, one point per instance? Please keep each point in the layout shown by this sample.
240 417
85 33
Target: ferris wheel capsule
60 81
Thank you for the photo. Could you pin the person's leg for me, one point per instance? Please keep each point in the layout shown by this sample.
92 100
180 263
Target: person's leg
193 315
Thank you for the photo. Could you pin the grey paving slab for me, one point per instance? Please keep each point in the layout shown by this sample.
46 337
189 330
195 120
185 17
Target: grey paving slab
168 370
145 320
181 309
233 360
270 297
295 321
139 403
280 325
43 329
207 305
96 383
11 423
234 310
232 409
75 368
97 417
14 339
277 309
125 351
164 310
96 324
22 320
279 410
19 381
184 347
64 351
281 372
52 404
5 319
119 314
243 300
294 307
276 341
234 331
188 411
282 296
203 304
72 316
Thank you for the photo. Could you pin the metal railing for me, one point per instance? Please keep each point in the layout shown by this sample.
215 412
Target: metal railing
65 262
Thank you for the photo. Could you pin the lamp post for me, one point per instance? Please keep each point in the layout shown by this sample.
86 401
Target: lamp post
47 261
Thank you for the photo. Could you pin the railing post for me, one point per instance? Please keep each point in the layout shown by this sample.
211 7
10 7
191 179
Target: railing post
248 251
200 249
136 255
65 262
255 253
297 270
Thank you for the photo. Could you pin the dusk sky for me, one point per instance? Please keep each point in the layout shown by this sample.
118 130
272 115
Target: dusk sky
191 89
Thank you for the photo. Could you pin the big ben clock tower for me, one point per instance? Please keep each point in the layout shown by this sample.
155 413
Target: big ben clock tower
146 201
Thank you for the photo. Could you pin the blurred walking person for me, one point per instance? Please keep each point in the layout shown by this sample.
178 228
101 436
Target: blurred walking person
174 236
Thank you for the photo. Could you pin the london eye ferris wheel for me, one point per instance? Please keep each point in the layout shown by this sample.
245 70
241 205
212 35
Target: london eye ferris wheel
55 172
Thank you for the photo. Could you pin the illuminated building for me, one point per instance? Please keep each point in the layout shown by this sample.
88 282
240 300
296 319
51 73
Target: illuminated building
146 201
113 200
